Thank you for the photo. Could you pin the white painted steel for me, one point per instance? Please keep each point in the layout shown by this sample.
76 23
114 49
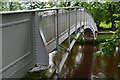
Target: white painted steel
0 46
42 58
17 45
27 37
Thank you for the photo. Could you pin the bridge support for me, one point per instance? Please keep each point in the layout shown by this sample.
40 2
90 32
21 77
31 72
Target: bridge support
40 46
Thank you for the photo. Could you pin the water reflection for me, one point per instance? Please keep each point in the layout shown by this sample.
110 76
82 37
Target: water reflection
78 58
78 64
82 64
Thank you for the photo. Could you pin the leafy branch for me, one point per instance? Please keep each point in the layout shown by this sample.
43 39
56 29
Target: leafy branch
108 47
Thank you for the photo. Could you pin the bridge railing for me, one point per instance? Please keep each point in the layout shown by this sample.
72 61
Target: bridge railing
48 22
90 20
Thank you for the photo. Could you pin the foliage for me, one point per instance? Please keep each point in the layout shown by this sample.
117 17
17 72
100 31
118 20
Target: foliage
98 53
102 37
62 4
11 6
104 12
35 5
117 23
51 4
104 25
110 44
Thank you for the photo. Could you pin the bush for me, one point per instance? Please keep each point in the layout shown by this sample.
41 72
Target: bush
110 44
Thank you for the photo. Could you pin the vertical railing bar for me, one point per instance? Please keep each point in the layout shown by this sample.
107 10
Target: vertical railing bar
57 38
83 22
69 28
57 30
54 25
66 20
80 19
76 23
84 17
34 36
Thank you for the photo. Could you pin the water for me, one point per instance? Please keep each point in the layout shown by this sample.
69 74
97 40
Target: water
82 64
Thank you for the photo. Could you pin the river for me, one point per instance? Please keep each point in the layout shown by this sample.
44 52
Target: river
83 65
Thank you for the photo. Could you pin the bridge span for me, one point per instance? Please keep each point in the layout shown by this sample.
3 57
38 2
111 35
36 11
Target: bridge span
27 37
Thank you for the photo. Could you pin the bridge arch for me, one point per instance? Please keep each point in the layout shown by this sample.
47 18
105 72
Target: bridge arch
88 34
88 27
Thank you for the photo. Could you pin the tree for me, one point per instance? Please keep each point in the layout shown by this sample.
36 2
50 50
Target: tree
108 47
11 6
104 12
64 4
112 8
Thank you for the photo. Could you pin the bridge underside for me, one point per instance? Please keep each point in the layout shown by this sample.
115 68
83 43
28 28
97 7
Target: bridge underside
88 34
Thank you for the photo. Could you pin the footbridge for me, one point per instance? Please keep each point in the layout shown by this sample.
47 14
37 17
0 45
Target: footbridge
27 37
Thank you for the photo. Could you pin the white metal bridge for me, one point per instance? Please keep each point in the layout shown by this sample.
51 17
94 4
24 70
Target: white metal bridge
27 37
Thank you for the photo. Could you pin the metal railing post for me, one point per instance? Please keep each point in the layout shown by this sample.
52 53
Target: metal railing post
34 35
54 25
57 39
84 18
57 30
80 20
76 23
69 28
83 22
66 19
40 44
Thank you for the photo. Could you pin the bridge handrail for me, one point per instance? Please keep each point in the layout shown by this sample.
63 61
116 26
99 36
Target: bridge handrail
38 10
93 22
